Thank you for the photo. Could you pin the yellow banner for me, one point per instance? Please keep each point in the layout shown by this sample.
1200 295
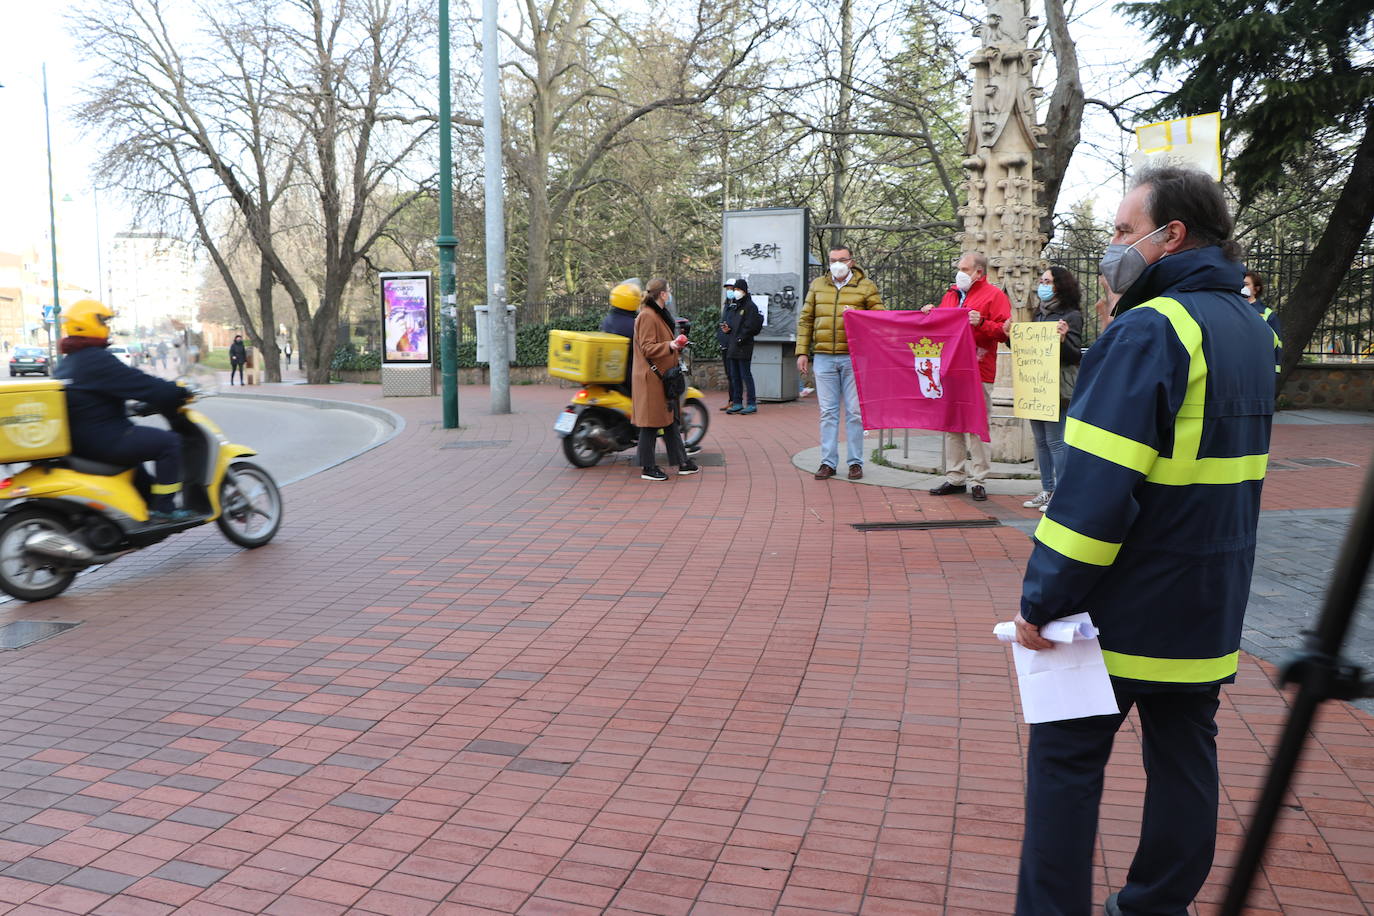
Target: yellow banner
1035 370
1194 141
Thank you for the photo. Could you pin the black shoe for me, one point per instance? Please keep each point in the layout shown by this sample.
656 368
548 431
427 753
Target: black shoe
1111 907
948 489
653 473
175 515
693 450
689 468
979 494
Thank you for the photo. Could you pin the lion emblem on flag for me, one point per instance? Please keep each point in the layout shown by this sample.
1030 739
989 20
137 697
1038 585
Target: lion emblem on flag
927 354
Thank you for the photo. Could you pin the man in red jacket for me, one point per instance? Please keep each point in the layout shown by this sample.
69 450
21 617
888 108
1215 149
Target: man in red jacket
989 310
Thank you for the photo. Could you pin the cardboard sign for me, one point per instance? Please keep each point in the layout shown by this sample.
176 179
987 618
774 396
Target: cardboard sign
1194 142
1035 370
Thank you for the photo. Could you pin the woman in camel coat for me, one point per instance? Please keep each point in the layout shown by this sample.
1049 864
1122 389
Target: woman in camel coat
654 342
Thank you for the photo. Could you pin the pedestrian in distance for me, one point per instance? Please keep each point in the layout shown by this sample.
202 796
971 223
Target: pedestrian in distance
1252 291
655 355
1152 531
967 459
1058 298
288 351
820 334
238 358
740 324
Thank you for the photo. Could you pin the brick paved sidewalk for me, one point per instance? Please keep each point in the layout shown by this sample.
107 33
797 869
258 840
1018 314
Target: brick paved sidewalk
476 680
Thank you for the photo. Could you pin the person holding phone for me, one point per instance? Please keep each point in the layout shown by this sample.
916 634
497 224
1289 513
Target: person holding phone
655 352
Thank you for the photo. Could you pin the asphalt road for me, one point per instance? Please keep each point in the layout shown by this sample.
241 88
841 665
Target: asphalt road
292 440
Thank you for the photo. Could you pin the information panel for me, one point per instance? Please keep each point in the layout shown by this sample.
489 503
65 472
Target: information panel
406 334
767 248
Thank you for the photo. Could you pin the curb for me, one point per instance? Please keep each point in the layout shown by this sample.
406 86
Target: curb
392 419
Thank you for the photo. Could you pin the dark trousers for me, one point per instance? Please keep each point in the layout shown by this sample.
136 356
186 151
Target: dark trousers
1064 787
672 440
144 443
741 378
236 367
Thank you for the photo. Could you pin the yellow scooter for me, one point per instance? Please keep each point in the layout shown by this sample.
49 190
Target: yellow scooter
61 515
596 421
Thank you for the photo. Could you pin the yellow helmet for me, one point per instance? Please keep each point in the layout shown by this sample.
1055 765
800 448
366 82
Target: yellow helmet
627 296
87 318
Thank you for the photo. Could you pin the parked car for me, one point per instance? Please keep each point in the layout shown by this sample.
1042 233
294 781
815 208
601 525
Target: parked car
28 361
123 355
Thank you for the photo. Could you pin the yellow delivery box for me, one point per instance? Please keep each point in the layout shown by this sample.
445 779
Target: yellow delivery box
588 356
33 421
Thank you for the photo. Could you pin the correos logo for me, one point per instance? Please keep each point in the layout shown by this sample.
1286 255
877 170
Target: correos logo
28 426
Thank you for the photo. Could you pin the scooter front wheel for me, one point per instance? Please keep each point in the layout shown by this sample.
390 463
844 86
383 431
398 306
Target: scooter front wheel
695 420
250 505
24 575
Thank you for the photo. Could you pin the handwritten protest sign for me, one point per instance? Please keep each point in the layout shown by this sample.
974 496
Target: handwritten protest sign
1194 141
1035 370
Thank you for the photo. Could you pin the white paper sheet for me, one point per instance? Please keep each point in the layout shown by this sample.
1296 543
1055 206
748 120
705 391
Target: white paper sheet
1069 681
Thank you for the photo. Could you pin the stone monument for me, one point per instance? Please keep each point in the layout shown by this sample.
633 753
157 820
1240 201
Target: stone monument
1002 216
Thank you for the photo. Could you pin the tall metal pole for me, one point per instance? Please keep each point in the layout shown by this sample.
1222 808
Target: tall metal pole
495 211
447 241
52 224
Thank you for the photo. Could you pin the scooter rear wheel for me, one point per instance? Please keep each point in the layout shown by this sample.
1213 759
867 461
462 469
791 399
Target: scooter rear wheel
24 575
579 446
250 505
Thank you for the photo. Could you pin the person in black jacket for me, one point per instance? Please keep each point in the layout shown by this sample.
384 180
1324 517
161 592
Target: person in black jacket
238 358
739 325
98 384
620 319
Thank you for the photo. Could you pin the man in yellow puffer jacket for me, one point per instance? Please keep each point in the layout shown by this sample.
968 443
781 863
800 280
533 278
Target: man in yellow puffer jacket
820 332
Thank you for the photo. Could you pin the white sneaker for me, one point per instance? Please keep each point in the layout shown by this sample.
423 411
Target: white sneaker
807 392
1039 501
1045 508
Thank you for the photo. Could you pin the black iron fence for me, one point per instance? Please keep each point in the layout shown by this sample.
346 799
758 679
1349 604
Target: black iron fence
1346 332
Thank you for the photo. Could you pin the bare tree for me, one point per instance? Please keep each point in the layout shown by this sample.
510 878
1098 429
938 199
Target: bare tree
272 95
557 87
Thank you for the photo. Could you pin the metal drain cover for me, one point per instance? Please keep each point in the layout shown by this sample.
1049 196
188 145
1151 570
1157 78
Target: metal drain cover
477 443
934 524
20 633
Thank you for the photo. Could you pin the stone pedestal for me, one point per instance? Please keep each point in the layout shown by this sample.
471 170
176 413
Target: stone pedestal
408 381
1012 441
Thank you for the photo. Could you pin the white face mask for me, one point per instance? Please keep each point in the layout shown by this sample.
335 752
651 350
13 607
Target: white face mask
1245 291
839 270
963 280
734 293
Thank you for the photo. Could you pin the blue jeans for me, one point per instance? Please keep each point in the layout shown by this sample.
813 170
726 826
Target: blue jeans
1049 450
835 379
741 377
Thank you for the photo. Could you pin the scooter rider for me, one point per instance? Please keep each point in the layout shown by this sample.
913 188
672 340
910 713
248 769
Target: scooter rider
98 384
620 318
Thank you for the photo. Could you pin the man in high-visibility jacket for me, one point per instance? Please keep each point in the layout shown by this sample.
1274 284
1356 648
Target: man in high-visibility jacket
1152 531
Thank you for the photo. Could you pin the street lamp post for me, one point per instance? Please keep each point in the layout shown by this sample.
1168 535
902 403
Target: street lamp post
52 224
447 241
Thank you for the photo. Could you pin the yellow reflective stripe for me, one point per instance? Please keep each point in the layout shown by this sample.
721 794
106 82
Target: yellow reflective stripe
1171 670
1075 546
1189 334
1109 446
1173 473
1178 468
162 489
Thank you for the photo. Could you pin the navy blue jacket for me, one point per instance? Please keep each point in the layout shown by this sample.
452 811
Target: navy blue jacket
1152 527
1271 318
745 322
98 384
619 321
